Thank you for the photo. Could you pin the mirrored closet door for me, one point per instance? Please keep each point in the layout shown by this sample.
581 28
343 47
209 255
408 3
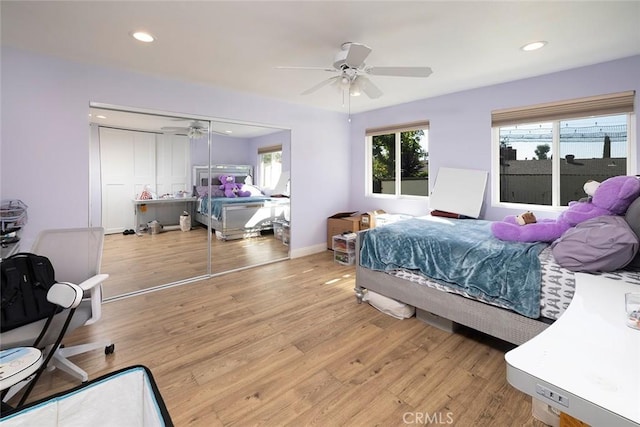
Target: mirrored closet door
156 189
251 227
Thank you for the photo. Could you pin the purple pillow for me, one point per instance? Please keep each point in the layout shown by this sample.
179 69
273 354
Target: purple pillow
202 190
633 219
216 192
604 243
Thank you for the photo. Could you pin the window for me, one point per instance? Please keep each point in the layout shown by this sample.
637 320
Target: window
406 174
546 153
269 166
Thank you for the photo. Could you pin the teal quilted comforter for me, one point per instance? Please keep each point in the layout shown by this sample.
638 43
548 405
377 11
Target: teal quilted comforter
463 254
218 203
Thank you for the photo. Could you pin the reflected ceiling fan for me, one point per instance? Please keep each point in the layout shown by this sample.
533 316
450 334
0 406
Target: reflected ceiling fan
352 72
195 130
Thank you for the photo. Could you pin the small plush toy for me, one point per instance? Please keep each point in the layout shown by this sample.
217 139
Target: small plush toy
526 218
612 197
231 188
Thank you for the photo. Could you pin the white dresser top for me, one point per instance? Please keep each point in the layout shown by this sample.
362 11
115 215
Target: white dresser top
164 200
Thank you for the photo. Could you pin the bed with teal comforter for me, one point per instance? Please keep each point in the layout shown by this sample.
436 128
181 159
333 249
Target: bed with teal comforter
241 217
218 204
464 255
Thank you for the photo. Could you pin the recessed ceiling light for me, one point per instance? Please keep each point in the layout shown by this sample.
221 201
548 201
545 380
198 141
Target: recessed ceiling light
143 36
100 116
228 131
533 46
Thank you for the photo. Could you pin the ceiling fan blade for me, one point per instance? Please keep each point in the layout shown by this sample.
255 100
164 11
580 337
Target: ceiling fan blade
173 129
357 54
333 70
320 85
400 71
367 86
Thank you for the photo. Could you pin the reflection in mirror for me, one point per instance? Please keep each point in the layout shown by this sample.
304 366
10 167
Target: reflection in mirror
150 185
252 226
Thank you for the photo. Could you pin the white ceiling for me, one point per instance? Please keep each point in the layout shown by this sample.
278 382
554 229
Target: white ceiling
238 44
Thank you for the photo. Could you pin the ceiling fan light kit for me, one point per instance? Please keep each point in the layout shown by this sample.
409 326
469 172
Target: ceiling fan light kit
195 133
349 63
354 88
195 130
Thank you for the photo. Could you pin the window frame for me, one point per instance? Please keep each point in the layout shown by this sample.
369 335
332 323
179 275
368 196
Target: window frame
397 130
555 113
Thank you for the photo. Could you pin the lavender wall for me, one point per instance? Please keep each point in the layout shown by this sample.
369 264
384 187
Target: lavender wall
45 134
45 138
460 125
225 150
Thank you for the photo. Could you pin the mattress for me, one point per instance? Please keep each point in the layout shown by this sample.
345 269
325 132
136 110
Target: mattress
557 284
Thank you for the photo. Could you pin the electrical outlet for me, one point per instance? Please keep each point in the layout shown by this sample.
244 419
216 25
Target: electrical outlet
552 395
563 400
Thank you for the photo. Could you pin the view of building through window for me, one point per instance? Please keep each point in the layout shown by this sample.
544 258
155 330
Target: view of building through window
412 165
594 148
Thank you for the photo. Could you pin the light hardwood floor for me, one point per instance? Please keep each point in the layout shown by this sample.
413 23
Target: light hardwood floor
138 262
287 344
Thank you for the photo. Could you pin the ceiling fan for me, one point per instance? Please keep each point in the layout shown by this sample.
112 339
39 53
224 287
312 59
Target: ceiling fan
195 130
352 72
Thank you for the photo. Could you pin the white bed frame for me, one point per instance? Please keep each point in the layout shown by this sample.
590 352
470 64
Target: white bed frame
446 310
240 220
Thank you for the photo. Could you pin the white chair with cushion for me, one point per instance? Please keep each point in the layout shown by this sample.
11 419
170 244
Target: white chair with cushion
20 366
76 254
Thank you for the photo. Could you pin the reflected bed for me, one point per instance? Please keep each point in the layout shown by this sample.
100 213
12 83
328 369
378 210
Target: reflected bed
235 218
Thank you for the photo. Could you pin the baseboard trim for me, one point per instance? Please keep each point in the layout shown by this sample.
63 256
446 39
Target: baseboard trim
309 250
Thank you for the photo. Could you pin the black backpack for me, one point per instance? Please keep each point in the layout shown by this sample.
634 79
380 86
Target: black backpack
26 279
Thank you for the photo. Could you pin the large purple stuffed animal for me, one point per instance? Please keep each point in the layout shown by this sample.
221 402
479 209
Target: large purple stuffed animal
612 197
230 188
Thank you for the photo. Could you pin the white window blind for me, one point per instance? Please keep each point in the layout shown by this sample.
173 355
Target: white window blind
615 103
270 149
383 130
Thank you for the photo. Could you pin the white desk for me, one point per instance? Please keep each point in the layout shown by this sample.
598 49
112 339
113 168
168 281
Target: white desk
587 364
165 211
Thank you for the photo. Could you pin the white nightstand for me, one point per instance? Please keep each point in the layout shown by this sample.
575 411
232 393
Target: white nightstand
587 364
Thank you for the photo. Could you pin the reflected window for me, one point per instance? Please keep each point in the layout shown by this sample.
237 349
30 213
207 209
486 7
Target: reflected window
269 166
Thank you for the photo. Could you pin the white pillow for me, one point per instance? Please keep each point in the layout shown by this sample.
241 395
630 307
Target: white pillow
255 191
389 306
